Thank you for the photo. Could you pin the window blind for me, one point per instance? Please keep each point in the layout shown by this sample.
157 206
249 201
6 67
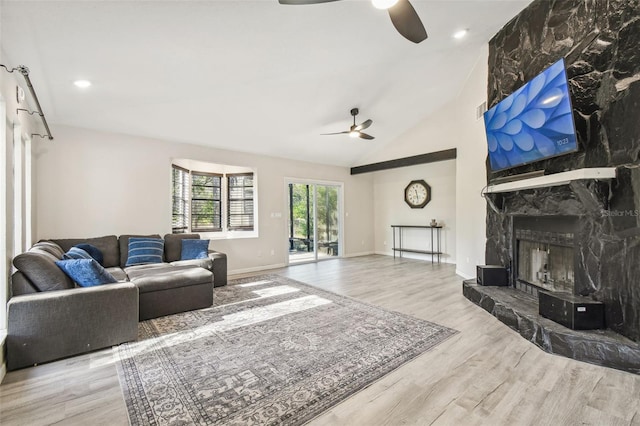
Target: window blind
240 201
206 202
180 200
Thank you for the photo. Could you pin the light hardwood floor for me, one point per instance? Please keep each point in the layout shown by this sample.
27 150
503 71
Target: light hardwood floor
485 375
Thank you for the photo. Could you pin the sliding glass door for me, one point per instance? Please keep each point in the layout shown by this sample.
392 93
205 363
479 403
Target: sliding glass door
314 221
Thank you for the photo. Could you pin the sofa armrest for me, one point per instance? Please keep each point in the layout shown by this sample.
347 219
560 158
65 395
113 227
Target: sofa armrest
219 268
56 324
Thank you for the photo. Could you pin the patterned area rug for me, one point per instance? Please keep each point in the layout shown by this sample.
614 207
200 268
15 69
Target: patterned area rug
270 350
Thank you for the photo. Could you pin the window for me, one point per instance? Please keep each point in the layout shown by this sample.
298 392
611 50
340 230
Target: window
240 195
207 201
180 200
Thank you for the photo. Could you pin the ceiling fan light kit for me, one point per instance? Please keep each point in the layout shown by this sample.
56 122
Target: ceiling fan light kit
403 16
355 131
383 4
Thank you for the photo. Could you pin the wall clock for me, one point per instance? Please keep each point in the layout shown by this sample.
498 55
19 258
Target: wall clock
417 194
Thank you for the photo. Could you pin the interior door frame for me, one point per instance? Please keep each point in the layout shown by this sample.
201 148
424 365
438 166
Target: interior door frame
340 186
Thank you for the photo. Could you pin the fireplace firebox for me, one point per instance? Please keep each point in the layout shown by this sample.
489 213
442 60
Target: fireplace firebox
544 254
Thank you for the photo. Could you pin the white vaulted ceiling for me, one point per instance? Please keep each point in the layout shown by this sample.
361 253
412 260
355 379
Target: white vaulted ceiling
250 76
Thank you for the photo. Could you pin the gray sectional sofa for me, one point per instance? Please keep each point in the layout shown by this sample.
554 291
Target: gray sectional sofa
50 317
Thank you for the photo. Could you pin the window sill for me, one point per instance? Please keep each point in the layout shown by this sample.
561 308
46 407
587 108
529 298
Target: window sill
233 235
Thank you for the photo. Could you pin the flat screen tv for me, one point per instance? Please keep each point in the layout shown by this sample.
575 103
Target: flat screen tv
533 123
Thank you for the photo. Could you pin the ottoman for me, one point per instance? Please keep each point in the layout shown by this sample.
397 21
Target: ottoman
166 289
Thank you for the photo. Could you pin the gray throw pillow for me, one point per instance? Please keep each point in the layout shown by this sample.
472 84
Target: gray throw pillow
50 247
42 271
44 253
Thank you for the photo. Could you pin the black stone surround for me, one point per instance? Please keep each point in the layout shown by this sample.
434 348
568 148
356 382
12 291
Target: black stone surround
600 41
519 311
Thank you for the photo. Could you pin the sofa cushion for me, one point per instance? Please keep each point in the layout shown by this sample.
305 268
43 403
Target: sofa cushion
123 242
144 250
194 249
132 271
173 245
108 245
76 253
170 277
117 273
203 263
41 270
86 272
93 251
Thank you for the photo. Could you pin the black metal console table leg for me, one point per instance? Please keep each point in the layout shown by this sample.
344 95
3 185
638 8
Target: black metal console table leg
393 248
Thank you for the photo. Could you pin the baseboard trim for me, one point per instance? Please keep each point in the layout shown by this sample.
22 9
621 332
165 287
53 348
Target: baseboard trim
3 367
364 253
256 269
463 275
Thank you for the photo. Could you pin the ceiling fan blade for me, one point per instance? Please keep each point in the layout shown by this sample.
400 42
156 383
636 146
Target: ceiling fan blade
338 133
363 125
406 20
365 136
299 2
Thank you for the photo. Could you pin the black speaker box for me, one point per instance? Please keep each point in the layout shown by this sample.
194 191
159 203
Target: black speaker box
574 312
491 275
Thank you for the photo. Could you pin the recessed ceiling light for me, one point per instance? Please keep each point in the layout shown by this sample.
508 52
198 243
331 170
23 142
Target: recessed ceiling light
460 34
383 4
83 84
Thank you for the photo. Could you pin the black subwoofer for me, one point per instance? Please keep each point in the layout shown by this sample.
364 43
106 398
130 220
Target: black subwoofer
574 312
491 275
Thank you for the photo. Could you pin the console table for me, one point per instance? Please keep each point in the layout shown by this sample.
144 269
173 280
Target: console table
434 248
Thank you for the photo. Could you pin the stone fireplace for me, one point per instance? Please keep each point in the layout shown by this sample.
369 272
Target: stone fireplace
581 237
571 239
535 232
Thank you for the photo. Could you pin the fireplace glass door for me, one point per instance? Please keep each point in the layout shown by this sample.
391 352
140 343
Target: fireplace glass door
545 265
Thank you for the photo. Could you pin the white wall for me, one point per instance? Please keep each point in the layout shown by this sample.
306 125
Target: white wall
93 183
391 209
471 208
454 126
9 117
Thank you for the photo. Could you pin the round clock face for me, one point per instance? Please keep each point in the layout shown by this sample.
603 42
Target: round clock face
417 194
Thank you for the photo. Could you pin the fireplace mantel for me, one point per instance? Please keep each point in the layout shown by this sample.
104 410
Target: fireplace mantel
556 179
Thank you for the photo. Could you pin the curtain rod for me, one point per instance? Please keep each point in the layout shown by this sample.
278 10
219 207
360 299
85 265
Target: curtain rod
25 73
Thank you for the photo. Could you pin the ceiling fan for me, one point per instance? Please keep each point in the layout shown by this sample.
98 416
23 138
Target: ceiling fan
402 14
355 131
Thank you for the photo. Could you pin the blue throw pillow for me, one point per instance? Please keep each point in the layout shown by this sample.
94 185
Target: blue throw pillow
194 249
76 253
93 251
145 250
86 272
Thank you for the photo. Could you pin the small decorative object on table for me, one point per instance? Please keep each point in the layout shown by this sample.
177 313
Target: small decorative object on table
434 222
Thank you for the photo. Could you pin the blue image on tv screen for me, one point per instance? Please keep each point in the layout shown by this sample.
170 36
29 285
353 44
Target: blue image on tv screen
533 123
